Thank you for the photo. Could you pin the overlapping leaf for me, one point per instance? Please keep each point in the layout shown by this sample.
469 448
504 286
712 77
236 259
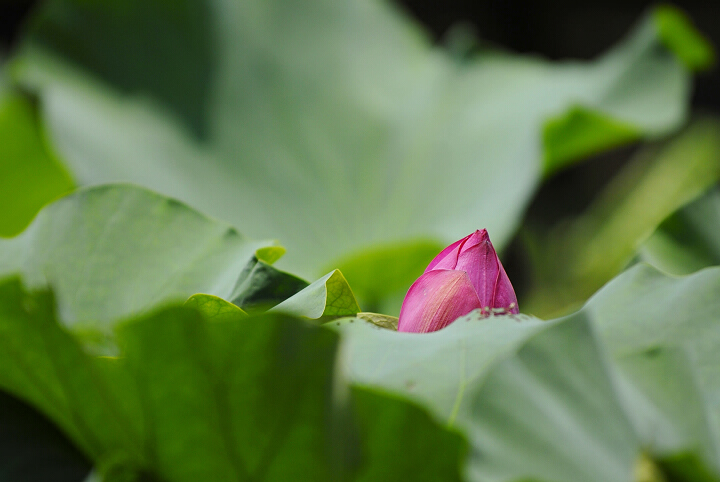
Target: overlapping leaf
333 126
663 332
31 176
580 398
228 399
113 251
330 296
533 397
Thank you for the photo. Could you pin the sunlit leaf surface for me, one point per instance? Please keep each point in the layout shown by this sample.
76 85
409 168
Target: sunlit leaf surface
113 251
334 126
579 398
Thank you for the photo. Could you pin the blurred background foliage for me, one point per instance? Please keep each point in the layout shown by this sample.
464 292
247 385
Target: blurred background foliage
582 222
363 137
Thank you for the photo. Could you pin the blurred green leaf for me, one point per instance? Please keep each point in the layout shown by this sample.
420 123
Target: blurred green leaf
576 258
113 251
581 132
688 240
44 365
330 296
31 176
680 36
231 399
207 423
403 442
686 467
334 126
579 398
663 334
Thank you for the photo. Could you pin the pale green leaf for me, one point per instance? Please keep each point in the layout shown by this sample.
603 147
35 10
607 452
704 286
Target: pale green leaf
334 126
663 333
534 397
113 251
330 296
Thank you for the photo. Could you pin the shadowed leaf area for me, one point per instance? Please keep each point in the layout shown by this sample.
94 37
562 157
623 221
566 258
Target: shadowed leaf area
231 398
33 449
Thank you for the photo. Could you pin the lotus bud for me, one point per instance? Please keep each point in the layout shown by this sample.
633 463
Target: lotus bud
465 276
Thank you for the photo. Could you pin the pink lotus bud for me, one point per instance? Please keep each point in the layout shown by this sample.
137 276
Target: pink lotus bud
465 276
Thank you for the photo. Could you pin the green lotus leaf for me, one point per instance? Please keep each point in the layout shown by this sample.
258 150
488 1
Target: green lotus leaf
214 308
330 296
629 383
192 398
260 286
114 251
334 127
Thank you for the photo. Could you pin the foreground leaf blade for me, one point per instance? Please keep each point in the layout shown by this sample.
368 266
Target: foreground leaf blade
113 251
196 398
44 365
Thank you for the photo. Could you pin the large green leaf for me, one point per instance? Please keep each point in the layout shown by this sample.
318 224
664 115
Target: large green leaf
113 251
31 176
663 333
237 398
540 400
533 397
334 126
